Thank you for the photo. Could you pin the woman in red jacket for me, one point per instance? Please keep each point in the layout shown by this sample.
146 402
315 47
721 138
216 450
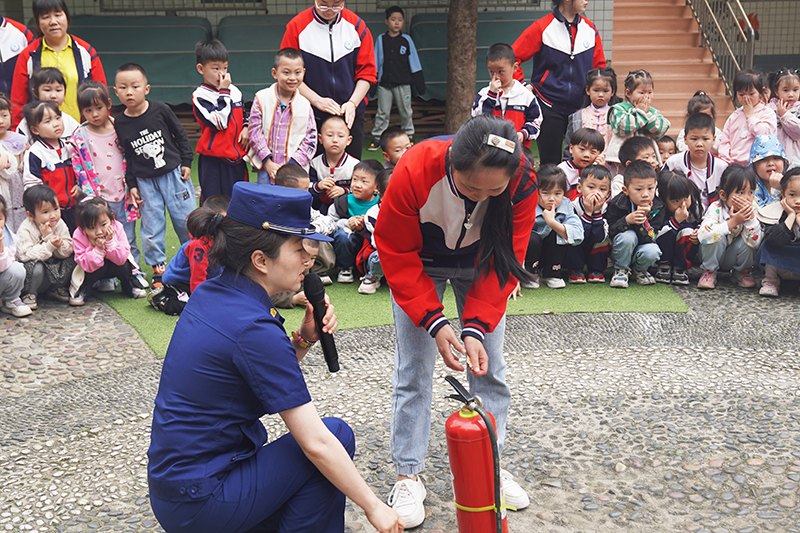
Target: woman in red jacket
459 211
74 57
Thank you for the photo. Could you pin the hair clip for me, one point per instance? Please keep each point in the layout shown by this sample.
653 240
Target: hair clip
87 198
501 142
701 93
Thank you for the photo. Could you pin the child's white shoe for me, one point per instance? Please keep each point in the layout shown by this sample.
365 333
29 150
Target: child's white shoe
16 308
138 293
555 283
620 279
369 285
345 276
643 277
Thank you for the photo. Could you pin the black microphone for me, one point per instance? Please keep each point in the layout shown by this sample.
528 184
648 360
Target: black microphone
315 293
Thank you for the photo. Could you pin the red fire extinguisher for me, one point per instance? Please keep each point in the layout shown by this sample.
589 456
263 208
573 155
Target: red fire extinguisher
475 465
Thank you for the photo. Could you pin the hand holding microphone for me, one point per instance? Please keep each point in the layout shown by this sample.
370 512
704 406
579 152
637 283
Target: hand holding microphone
315 293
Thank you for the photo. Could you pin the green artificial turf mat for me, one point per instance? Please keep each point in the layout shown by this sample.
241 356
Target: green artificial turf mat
356 310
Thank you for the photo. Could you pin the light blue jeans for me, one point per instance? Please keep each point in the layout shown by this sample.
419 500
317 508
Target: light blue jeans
130 227
628 253
177 196
374 268
11 281
723 256
415 357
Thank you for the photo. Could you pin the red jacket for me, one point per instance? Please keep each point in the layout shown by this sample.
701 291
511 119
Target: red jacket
86 61
416 222
335 55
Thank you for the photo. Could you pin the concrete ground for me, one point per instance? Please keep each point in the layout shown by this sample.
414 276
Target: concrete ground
636 422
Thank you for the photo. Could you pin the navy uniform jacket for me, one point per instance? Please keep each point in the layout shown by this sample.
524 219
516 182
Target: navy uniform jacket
229 362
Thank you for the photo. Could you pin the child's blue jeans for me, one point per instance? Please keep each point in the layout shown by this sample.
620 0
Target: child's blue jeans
374 268
177 196
628 253
346 245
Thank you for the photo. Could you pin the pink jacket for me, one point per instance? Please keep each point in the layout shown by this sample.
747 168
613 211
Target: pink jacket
8 255
789 130
90 258
739 133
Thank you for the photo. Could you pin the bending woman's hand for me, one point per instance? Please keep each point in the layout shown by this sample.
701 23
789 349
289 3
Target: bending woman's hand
385 519
445 338
308 329
479 359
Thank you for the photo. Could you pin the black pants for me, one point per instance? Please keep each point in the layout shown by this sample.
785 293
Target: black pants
217 176
357 131
545 254
123 272
551 136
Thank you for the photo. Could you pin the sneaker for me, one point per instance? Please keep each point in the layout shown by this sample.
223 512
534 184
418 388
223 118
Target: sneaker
514 495
533 283
708 280
77 300
138 274
326 280
744 279
16 308
374 146
138 293
105 285
644 277
30 301
158 271
664 274
768 288
345 276
679 276
60 293
369 285
577 276
596 277
555 283
406 498
620 278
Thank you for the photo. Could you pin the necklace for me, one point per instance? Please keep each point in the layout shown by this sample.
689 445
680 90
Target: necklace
467 223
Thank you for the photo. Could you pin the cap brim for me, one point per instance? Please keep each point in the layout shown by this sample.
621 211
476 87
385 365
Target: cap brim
316 236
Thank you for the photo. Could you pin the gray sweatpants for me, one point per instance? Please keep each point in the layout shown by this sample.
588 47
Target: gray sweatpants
401 94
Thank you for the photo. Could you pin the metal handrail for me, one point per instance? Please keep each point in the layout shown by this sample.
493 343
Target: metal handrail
732 49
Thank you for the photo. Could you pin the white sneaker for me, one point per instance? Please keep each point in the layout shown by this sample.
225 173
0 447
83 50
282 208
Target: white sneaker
345 276
515 496
533 283
16 308
555 283
369 285
138 293
406 498
326 279
105 285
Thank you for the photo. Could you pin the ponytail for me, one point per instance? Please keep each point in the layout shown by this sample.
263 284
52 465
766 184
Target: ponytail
471 151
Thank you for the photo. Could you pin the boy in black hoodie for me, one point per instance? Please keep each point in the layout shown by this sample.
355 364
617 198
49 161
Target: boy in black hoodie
634 217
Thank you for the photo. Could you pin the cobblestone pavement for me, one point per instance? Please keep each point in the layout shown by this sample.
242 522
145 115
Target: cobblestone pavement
656 422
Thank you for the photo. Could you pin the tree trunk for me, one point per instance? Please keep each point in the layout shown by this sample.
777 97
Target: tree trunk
462 28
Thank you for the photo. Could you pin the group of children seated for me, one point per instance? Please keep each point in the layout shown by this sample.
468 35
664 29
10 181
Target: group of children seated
70 194
655 206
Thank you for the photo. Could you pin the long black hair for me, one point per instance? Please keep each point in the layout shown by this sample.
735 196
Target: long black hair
674 185
471 151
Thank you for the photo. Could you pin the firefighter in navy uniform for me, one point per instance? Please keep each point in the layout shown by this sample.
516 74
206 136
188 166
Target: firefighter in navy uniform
229 363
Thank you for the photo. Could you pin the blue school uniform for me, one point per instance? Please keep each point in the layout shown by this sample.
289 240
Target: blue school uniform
229 363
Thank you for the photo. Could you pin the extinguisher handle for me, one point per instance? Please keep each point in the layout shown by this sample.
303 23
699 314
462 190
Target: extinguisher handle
462 394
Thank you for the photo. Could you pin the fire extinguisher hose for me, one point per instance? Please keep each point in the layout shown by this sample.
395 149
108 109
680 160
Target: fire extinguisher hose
498 511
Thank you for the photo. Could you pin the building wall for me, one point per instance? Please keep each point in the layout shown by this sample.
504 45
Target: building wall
778 21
